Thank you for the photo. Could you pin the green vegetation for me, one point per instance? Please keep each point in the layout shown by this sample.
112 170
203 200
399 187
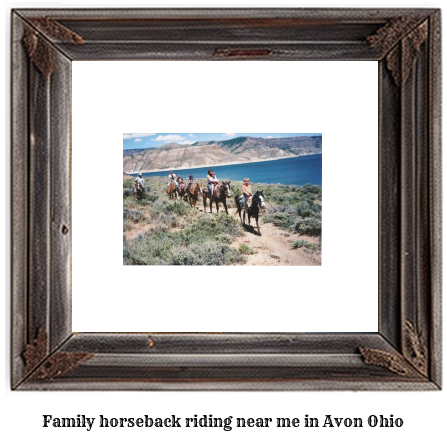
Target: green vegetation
199 243
170 232
128 183
126 225
305 244
246 249
295 209
198 238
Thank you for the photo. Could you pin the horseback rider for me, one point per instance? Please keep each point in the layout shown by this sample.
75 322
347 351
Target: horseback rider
246 191
172 178
191 181
140 180
212 182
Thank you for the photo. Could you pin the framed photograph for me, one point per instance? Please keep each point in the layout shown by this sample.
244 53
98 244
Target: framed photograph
227 319
287 168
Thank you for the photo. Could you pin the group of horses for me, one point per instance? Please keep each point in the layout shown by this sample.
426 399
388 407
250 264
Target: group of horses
221 193
180 192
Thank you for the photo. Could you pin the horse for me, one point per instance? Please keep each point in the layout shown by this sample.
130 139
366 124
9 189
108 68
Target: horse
257 203
172 190
221 192
193 192
181 190
138 191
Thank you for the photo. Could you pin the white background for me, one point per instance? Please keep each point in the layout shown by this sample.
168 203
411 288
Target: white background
338 99
21 413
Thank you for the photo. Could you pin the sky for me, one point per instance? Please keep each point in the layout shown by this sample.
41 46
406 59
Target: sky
139 141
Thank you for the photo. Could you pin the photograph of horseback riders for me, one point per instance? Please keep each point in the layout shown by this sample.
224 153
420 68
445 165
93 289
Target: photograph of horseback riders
222 199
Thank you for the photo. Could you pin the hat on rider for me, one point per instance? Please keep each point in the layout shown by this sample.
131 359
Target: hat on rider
139 174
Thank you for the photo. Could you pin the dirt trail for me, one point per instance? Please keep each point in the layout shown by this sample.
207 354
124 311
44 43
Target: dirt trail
272 248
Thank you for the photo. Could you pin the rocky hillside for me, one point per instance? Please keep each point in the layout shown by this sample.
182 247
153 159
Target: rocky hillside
127 152
209 153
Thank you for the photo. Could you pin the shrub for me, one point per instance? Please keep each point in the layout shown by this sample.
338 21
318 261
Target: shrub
129 203
223 238
162 227
282 209
204 239
151 249
133 215
143 201
309 188
209 226
305 244
126 225
180 208
245 249
125 251
298 244
309 226
152 197
304 208
282 220
206 254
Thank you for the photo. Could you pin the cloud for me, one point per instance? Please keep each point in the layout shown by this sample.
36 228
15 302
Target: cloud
272 136
191 135
138 139
228 135
170 137
129 136
186 142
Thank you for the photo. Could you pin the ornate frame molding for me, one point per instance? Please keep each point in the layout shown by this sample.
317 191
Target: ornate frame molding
405 354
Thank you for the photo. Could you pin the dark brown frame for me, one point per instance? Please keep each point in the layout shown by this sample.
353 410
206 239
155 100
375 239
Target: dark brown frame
405 354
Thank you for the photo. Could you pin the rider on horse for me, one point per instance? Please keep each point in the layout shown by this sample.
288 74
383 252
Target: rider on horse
191 181
246 191
140 180
172 178
212 182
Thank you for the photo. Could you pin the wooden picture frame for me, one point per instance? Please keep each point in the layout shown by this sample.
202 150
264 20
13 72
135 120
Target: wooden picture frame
405 353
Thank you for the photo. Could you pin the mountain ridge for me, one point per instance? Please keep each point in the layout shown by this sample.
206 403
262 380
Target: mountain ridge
218 152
